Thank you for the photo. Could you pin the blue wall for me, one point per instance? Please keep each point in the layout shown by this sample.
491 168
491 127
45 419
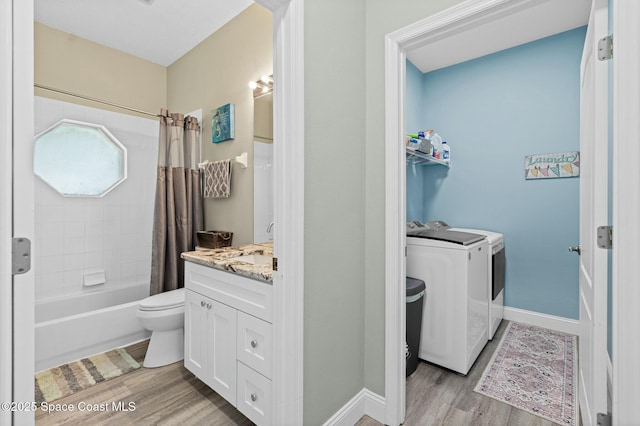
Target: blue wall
493 111
414 123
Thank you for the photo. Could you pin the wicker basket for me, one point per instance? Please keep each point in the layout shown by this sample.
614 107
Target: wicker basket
214 239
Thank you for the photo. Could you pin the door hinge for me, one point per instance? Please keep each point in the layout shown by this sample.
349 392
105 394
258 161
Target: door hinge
605 48
20 255
605 237
603 419
274 263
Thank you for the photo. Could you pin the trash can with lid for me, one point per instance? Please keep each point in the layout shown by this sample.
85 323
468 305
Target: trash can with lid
415 301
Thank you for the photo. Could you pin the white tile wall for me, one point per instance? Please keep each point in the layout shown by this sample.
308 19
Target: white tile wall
79 235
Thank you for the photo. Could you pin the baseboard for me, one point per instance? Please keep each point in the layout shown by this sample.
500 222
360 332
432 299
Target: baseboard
371 404
609 385
364 403
564 325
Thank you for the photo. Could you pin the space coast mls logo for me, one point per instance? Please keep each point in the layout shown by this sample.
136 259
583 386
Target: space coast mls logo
549 166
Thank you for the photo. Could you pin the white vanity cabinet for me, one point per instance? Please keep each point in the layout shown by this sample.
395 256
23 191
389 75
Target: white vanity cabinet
210 343
228 337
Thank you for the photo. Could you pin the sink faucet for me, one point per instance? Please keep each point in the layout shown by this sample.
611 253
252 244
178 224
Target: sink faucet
269 228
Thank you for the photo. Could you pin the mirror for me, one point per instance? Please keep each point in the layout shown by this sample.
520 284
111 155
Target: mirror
263 168
263 118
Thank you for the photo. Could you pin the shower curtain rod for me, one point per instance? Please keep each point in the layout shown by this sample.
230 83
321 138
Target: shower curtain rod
64 92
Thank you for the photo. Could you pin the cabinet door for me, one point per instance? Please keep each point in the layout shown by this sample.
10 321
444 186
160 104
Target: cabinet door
221 339
195 322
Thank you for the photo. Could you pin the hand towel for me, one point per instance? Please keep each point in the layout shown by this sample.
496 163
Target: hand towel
217 179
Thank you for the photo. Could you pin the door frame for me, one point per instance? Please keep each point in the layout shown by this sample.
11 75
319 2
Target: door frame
6 164
288 297
626 269
626 209
23 214
288 181
464 15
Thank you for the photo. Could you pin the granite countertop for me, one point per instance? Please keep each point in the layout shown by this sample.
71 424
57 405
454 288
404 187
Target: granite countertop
220 259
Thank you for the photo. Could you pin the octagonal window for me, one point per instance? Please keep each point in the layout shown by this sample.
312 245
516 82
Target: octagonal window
79 159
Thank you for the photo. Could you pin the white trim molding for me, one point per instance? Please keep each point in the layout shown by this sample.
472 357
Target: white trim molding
6 168
626 208
288 286
23 206
395 205
364 403
609 385
551 322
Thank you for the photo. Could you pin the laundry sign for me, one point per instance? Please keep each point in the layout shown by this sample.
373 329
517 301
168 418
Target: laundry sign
549 166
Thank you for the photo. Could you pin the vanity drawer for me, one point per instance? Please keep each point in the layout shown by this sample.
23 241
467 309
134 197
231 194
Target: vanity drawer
254 395
254 340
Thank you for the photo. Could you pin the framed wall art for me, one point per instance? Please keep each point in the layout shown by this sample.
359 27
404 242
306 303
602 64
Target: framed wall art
222 123
550 166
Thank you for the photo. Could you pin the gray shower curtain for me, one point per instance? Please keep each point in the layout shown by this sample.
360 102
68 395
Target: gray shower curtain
178 206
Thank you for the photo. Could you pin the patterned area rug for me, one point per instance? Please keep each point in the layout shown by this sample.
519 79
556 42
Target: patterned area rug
534 369
75 376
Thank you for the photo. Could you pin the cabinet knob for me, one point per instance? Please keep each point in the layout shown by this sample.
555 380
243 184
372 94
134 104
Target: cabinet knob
208 305
254 343
254 397
202 303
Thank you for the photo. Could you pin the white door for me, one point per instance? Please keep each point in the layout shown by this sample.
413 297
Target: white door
16 198
592 358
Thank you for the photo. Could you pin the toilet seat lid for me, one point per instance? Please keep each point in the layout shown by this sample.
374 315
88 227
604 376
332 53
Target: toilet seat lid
166 300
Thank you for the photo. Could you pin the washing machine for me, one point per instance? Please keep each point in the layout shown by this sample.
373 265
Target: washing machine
455 321
496 266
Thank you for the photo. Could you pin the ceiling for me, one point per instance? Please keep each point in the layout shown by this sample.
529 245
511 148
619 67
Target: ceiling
543 19
160 32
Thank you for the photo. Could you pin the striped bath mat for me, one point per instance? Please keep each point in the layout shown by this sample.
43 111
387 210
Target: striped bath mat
78 375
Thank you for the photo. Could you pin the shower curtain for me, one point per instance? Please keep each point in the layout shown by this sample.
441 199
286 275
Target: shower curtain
178 207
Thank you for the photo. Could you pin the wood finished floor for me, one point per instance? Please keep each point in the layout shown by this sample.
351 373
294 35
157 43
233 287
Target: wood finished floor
437 396
168 395
171 395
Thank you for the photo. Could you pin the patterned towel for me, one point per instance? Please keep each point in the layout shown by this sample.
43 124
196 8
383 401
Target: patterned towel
217 179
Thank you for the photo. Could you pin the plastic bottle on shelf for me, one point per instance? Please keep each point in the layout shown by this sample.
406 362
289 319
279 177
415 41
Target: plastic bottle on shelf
446 151
436 141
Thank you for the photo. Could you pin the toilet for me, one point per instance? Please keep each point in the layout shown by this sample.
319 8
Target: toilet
163 315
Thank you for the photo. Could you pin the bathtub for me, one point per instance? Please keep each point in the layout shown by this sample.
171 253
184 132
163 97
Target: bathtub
87 324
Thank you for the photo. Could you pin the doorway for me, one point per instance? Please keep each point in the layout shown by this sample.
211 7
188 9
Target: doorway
456 25
288 298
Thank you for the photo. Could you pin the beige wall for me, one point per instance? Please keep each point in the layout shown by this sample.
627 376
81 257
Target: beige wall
70 63
214 73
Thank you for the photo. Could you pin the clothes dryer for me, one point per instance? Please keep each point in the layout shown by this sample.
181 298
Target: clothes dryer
496 269
455 320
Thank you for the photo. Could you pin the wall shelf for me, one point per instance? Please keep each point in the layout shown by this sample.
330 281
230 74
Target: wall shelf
421 158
